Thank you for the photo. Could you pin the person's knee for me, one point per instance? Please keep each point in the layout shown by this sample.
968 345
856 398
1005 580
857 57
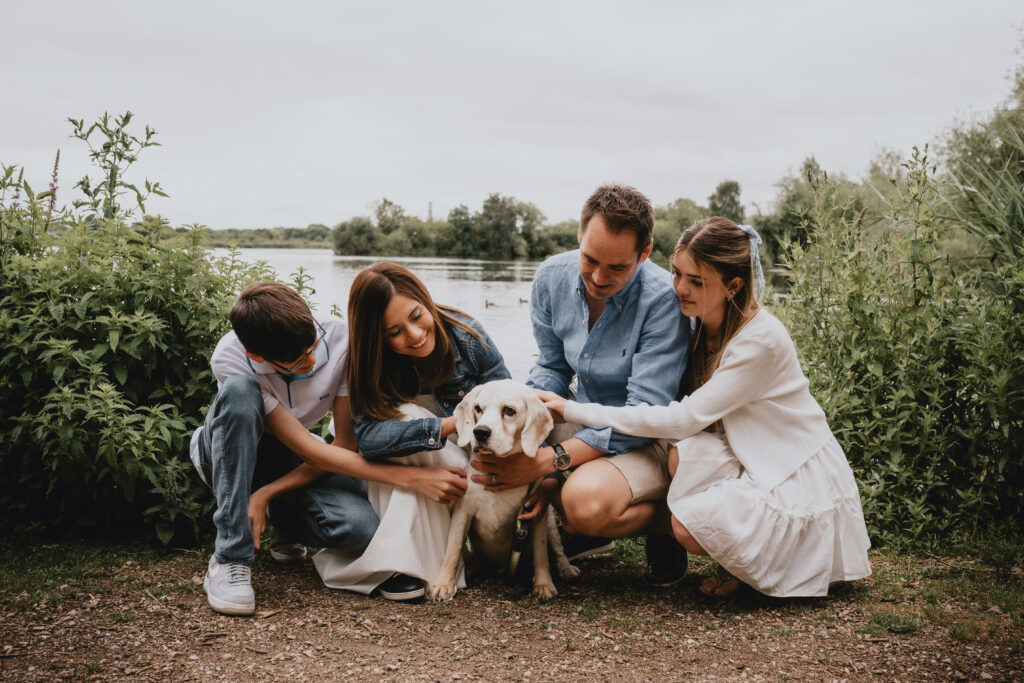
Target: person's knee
349 523
685 539
590 507
240 398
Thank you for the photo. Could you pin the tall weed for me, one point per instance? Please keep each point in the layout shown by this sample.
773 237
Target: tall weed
106 328
919 366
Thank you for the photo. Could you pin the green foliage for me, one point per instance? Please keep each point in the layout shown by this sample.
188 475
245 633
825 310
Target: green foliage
669 223
917 361
504 228
987 165
106 328
725 201
313 236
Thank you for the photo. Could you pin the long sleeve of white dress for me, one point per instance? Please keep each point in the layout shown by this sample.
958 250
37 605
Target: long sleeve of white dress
760 394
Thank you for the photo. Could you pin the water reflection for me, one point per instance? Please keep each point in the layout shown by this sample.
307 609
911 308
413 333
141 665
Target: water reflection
496 293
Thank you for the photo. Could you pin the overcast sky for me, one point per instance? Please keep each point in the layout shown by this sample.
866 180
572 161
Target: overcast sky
275 113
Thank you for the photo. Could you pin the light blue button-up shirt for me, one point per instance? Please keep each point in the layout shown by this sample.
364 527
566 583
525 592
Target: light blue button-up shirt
635 353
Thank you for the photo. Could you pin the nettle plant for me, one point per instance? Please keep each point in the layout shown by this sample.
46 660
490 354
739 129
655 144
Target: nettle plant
917 360
106 328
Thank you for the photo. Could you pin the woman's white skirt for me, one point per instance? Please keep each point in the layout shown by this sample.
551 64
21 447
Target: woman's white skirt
791 541
412 534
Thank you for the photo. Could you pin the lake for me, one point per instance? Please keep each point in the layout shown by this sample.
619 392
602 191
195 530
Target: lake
496 293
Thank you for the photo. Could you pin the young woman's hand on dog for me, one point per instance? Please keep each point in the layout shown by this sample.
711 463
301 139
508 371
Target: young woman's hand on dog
554 403
443 485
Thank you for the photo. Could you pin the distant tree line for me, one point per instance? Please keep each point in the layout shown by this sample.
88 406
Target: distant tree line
505 228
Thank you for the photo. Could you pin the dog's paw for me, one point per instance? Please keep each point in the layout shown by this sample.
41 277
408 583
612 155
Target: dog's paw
442 591
567 571
544 591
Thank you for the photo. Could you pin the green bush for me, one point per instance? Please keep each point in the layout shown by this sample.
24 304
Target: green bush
106 328
917 359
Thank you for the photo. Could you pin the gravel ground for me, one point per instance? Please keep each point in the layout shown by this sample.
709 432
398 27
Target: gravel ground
147 620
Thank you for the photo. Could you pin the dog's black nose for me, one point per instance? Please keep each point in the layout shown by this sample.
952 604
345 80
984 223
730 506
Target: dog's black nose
481 433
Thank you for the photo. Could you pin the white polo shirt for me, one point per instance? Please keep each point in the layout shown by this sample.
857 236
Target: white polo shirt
309 399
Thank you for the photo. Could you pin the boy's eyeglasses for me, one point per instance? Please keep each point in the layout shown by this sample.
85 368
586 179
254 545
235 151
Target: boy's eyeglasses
290 370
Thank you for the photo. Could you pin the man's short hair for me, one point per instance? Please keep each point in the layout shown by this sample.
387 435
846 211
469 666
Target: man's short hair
273 322
623 208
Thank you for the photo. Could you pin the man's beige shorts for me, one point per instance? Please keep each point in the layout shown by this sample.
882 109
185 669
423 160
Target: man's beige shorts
645 469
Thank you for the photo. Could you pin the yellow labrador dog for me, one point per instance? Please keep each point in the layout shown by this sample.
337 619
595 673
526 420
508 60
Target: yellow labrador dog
500 418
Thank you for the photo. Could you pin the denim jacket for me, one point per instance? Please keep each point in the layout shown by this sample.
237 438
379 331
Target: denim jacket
476 362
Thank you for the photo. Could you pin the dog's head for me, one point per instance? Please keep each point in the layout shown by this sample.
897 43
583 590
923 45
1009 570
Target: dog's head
501 418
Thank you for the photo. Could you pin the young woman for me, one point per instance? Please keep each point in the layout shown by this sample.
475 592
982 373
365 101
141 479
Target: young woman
410 363
759 481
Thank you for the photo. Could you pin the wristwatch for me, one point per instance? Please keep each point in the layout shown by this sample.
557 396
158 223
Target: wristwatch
563 461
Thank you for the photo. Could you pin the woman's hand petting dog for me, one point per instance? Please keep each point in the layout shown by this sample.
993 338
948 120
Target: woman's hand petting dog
500 474
443 485
554 403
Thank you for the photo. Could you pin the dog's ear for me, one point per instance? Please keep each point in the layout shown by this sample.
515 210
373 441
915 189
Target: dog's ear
463 414
538 424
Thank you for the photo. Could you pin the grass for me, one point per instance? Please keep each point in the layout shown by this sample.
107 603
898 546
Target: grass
34 574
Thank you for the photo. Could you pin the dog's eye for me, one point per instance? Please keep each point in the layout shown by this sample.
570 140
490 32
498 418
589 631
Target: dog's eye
478 410
508 411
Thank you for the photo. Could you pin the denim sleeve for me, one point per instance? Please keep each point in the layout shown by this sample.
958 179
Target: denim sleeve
551 372
383 439
658 365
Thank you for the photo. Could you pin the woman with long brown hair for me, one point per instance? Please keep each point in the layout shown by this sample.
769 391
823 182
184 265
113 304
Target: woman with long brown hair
759 481
410 363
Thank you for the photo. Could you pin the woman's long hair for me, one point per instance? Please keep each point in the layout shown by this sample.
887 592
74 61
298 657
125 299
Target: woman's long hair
379 380
720 245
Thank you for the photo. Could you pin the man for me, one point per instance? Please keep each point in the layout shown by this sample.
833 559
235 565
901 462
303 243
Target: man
279 372
608 317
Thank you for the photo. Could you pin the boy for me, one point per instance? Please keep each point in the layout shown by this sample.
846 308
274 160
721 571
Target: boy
279 372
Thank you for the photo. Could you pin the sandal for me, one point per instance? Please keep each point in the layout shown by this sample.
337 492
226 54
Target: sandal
722 584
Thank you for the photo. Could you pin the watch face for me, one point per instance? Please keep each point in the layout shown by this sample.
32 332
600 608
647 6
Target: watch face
562 459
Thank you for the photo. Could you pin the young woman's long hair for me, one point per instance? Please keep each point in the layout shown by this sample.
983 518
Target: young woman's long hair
720 245
379 380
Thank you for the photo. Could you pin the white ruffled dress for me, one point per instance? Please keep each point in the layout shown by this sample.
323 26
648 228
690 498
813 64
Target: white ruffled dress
793 540
770 495
413 531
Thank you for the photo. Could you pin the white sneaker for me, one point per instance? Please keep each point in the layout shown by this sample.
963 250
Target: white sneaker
229 588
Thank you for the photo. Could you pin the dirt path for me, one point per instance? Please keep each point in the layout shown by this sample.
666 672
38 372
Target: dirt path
147 619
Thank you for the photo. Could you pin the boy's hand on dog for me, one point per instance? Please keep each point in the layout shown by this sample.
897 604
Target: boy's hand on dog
443 485
500 474
258 515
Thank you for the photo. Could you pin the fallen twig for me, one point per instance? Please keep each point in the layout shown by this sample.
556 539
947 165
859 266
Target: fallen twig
14 654
162 606
145 668
257 651
216 634
959 566
267 615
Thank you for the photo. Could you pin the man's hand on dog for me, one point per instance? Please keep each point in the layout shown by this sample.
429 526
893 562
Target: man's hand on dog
537 504
499 474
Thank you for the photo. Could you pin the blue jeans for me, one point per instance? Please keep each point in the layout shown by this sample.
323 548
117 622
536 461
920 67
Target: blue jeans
237 457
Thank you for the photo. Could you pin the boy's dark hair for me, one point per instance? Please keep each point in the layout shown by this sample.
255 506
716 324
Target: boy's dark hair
273 322
623 208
